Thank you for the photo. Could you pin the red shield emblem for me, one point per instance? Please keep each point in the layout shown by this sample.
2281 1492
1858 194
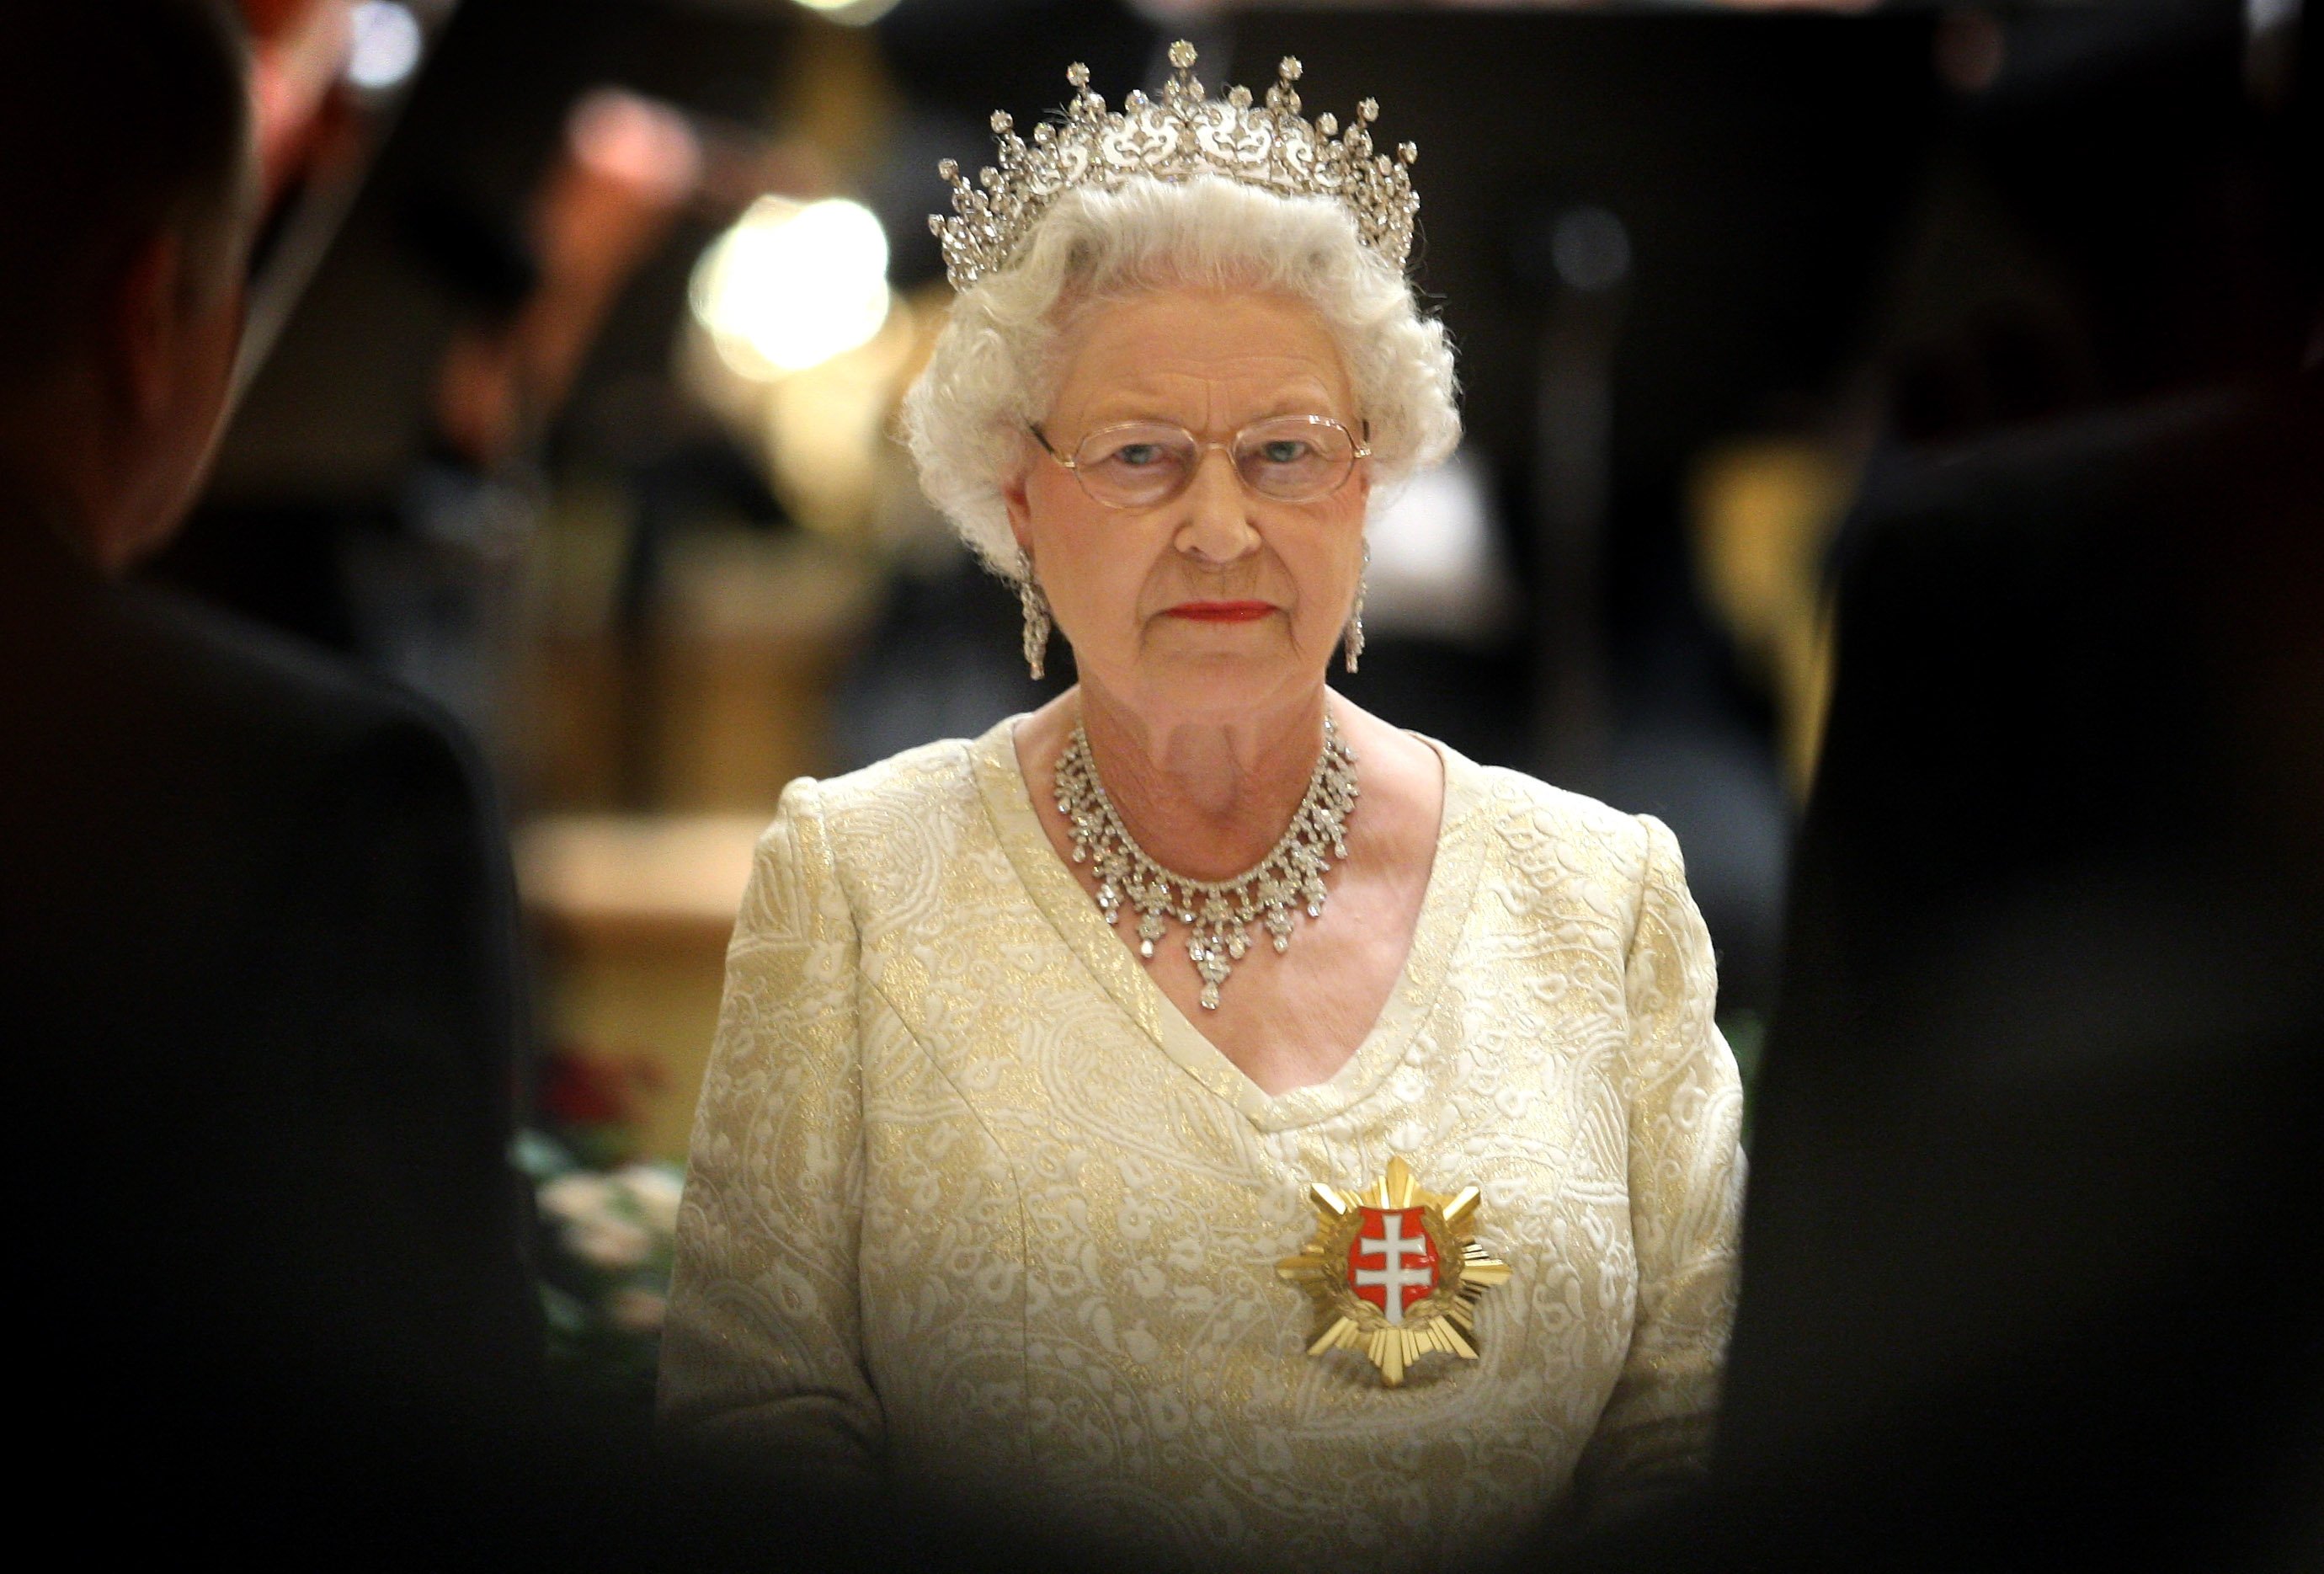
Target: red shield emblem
1395 1272
1392 1262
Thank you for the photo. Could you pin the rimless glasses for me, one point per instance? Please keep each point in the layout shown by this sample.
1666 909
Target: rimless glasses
1144 464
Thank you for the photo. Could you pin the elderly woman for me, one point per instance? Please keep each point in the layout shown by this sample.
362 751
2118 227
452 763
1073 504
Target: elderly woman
1198 1111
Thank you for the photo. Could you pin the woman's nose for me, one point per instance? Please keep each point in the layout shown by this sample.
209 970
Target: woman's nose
1216 525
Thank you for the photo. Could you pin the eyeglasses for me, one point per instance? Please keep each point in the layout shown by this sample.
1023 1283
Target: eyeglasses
1144 464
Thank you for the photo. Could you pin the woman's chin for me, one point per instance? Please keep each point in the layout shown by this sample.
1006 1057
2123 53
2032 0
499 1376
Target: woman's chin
1222 679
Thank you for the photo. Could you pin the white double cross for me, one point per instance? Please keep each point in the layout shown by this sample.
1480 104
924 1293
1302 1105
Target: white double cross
1392 1277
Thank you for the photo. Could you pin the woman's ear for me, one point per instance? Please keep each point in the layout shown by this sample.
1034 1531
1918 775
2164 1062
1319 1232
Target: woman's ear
1020 512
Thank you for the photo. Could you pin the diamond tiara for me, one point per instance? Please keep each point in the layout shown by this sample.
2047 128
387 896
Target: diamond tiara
1186 135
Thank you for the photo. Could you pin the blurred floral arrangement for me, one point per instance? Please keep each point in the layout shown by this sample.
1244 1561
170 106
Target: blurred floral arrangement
608 1226
591 1103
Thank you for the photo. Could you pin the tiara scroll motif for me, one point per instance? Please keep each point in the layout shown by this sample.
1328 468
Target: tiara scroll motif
1186 135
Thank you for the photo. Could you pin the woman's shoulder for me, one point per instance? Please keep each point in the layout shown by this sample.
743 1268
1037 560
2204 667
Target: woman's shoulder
929 785
1552 839
1528 810
884 831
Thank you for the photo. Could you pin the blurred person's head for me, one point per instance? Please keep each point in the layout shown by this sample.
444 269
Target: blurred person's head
2147 162
128 192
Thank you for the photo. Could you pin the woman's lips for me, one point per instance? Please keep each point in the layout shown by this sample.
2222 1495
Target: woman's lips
1221 611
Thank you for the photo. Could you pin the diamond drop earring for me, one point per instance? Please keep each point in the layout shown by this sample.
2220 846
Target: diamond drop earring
1355 631
1036 606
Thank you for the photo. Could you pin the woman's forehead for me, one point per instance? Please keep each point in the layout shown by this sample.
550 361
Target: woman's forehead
1202 358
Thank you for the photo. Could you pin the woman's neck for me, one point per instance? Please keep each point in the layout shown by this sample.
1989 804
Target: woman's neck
1205 798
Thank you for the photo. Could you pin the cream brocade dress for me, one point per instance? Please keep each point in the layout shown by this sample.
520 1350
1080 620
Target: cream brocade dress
972 1202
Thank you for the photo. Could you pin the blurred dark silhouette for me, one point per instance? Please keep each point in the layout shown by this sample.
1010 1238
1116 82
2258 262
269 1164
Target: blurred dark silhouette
2035 1131
2025 1277
257 910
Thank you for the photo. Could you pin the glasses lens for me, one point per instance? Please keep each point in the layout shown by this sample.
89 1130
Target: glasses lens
1135 466
1296 460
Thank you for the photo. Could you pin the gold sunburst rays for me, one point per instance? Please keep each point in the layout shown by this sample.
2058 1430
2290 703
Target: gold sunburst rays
1395 1271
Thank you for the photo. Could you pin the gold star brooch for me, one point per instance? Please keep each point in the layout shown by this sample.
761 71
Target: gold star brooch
1394 1272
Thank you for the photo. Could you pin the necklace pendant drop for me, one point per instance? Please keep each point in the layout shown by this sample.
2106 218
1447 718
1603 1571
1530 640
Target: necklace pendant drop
1217 914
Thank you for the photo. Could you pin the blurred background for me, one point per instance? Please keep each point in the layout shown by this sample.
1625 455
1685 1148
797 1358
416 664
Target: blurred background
579 328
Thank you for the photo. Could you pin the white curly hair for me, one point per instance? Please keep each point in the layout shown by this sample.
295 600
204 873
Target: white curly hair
995 368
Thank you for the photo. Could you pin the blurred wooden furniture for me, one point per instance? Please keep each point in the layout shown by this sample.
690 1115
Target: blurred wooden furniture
632 914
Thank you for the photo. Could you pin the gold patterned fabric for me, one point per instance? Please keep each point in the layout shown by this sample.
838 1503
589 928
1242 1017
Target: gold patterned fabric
972 1202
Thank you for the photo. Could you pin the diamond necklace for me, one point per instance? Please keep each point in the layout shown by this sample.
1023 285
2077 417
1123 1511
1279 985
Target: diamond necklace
1217 913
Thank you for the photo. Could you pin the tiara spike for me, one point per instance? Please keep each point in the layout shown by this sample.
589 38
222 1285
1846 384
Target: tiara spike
1184 135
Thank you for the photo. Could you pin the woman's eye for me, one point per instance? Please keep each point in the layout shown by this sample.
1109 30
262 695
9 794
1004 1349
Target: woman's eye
1282 451
1138 455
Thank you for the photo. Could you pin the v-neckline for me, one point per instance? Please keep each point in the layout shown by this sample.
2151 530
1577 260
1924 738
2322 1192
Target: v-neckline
1443 916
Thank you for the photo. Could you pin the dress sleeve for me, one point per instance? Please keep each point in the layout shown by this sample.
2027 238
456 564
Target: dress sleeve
1687 1193
762 1356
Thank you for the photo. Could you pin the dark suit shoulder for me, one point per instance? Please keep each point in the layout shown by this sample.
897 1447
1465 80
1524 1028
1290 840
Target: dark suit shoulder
274 691
184 784
2039 499
143 700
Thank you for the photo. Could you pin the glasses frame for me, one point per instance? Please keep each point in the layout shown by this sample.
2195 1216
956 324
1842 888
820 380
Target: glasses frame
1363 445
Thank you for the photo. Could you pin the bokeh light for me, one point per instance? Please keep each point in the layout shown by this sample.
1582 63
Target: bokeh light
385 44
790 286
853 12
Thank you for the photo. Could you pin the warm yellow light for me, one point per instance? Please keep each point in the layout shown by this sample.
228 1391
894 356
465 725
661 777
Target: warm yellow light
789 287
854 13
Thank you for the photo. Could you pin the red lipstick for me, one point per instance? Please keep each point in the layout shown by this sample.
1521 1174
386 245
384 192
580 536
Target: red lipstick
1221 611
